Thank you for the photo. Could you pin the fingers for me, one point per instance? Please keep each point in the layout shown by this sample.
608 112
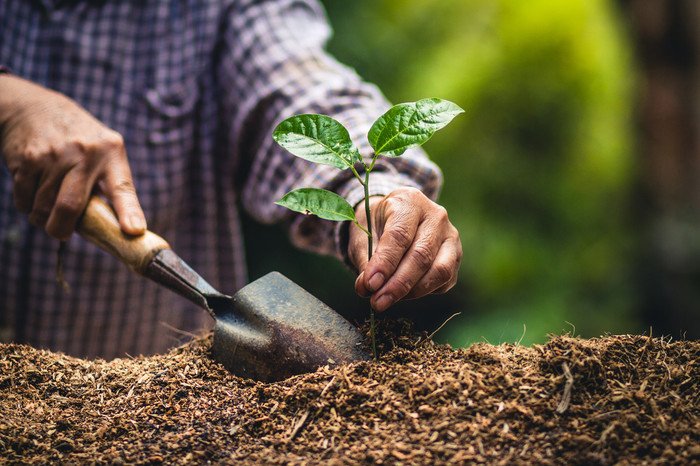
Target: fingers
44 198
70 203
358 244
24 188
56 189
360 287
397 225
418 251
358 256
119 188
442 275
56 151
416 262
357 247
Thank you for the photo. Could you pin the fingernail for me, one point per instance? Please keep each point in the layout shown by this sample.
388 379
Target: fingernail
376 281
359 278
137 223
383 302
358 281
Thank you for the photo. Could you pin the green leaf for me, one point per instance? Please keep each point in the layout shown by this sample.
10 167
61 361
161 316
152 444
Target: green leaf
410 124
319 202
317 138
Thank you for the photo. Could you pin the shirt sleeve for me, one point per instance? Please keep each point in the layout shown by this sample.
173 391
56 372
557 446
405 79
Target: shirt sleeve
276 65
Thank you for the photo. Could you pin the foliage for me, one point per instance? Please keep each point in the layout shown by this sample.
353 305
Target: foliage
320 202
321 139
410 124
537 174
318 139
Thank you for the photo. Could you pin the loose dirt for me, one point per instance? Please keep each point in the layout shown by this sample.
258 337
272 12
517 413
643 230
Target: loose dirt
618 399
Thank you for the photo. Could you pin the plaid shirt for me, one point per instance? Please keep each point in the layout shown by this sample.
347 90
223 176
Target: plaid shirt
195 87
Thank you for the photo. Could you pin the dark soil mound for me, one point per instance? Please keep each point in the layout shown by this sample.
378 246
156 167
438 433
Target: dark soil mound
621 399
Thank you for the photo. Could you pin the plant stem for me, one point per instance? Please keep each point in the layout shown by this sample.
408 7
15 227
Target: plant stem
372 322
358 225
369 217
357 175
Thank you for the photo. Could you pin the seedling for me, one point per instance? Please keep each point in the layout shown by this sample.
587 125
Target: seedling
321 139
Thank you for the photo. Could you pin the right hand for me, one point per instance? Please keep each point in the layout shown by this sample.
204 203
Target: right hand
56 153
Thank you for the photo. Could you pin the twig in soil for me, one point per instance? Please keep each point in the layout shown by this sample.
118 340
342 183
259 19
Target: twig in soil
524 450
607 431
430 337
480 444
235 428
644 350
517 343
566 397
179 331
298 425
325 389
437 407
347 380
606 415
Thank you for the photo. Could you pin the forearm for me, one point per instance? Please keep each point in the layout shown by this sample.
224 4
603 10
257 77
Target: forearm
276 172
17 94
329 88
8 95
356 105
293 74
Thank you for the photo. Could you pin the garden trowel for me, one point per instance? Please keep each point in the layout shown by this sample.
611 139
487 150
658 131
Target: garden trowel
269 330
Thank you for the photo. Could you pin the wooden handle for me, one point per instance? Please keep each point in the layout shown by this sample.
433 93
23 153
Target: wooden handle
100 226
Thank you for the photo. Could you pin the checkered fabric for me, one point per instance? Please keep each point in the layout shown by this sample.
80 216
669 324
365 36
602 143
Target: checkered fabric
195 87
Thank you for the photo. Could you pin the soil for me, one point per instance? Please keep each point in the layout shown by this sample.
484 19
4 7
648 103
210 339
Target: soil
617 399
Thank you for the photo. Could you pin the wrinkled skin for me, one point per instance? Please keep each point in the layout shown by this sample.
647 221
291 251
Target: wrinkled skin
417 251
57 153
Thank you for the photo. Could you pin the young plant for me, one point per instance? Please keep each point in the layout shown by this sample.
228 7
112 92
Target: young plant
321 139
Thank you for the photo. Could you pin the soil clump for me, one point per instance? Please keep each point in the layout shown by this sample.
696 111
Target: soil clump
617 399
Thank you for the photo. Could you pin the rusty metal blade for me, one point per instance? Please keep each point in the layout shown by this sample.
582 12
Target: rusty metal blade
271 329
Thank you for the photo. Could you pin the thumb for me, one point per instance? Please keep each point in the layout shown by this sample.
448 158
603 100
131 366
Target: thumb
358 244
119 188
357 252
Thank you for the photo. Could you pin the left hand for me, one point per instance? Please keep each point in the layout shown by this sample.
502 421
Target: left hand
417 251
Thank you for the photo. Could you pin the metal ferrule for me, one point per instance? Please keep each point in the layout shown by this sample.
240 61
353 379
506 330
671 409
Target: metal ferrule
169 270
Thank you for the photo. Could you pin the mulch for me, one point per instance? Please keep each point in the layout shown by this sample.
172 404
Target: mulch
611 400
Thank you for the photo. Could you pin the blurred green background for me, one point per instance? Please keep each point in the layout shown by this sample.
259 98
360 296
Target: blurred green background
538 172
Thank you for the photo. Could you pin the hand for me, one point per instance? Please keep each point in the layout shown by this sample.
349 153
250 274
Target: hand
57 152
417 250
